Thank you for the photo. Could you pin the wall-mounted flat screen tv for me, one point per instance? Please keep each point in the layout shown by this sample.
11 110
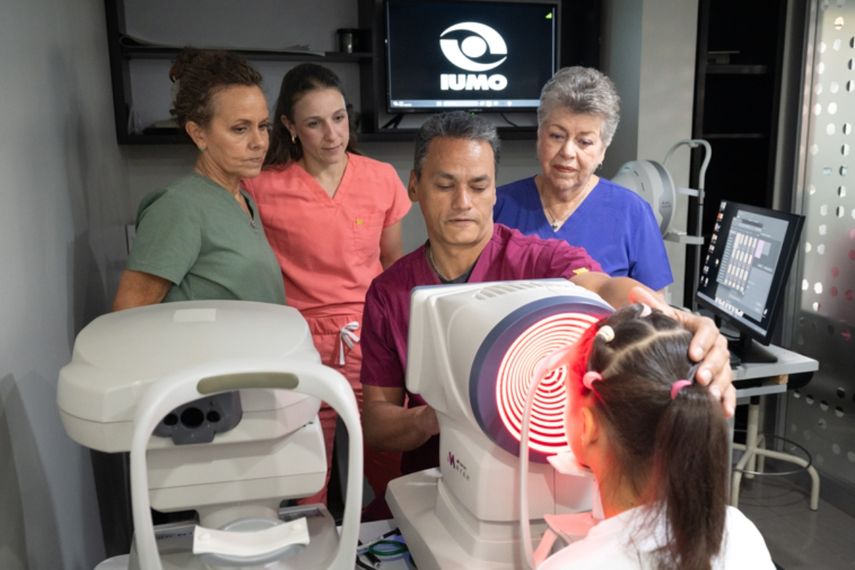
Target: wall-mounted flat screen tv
469 54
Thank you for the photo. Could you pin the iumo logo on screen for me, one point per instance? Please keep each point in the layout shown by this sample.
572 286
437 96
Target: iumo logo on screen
484 39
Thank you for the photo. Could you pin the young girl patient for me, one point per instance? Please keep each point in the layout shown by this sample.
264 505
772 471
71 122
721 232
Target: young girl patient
657 444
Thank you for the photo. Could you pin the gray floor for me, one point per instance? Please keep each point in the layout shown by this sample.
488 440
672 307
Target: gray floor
797 537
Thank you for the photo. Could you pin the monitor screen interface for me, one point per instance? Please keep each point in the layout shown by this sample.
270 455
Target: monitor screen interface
471 55
748 259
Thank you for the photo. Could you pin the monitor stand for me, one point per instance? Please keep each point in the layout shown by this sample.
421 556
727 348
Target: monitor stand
746 350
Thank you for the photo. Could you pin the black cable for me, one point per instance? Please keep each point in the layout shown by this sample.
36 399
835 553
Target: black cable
393 122
507 120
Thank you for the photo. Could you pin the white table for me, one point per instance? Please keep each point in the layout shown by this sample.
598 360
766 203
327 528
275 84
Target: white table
754 381
746 375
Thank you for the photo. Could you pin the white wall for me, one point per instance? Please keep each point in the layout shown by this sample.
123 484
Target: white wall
62 193
649 52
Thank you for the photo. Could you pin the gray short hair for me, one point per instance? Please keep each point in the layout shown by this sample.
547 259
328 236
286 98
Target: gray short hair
585 91
454 125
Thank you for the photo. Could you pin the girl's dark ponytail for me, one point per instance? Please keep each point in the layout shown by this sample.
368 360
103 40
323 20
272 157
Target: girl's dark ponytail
672 453
690 468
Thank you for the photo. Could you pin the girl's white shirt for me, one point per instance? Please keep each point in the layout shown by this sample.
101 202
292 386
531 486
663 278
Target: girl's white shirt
620 543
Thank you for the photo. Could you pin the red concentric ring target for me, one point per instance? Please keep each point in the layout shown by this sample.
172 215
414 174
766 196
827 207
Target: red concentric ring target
546 431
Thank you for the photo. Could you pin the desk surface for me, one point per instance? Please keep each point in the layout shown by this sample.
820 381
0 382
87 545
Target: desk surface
789 362
746 375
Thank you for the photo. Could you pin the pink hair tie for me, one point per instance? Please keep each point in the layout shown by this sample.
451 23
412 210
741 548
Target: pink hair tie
677 386
590 377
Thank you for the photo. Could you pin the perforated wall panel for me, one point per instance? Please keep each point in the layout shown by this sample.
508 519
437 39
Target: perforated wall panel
821 416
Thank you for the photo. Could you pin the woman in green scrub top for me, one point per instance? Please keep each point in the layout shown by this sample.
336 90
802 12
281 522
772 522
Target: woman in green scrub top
200 237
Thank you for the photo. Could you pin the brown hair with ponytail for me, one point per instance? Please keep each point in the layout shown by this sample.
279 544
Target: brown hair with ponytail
297 83
672 453
199 75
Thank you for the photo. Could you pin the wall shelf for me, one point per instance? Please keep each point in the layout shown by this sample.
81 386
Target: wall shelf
125 49
387 135
737 98
734 136
391 135
138 72
731 69
141 51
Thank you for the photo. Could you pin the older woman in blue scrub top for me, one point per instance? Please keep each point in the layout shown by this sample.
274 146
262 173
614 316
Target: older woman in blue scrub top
577 118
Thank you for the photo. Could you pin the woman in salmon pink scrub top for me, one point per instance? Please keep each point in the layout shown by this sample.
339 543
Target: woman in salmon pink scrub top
333 219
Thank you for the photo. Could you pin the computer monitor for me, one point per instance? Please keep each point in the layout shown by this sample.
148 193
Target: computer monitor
742 278
469 54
